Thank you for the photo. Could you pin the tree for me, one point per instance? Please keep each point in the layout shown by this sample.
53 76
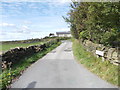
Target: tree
98 22
51 34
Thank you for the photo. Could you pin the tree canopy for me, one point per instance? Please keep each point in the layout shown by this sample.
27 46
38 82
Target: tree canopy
95 21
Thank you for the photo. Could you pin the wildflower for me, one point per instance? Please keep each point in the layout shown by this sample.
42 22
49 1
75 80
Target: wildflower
8 74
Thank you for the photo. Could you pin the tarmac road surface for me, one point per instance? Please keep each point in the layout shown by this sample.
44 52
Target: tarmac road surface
59 69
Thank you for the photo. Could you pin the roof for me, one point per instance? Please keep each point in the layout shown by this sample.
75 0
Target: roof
63 32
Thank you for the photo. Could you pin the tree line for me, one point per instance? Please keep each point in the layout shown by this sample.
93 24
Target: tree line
98 22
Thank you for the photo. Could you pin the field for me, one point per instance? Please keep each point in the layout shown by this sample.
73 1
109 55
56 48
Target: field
7 46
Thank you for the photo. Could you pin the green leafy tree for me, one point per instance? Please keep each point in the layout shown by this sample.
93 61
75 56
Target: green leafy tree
98 22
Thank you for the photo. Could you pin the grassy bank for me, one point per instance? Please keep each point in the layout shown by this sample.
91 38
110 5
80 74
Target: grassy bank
8 75
105 70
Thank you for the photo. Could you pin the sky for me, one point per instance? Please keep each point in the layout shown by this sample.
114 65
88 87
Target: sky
27 20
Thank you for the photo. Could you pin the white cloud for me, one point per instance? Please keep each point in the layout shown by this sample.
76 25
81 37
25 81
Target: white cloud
32 5
22 36
7 24
60 1
27 22
24 27
63 29
14 28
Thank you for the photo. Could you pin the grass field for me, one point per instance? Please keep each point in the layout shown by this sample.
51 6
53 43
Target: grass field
105 70
7 46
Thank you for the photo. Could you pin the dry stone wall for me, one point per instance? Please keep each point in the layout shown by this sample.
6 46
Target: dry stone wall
13 56
111 54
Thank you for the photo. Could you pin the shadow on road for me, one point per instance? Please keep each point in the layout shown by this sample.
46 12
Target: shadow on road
31 85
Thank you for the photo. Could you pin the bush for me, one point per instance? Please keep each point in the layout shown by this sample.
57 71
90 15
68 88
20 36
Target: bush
84 34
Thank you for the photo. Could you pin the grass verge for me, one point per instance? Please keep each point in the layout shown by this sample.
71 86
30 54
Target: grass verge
105 70
8 75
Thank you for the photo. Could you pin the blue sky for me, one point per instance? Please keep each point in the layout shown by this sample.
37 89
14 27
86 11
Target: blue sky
26 20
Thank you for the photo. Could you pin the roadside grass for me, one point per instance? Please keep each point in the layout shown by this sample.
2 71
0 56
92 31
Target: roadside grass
104 70
7 46
8 76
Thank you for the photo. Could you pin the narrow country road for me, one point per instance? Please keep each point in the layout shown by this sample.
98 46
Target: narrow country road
58 69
